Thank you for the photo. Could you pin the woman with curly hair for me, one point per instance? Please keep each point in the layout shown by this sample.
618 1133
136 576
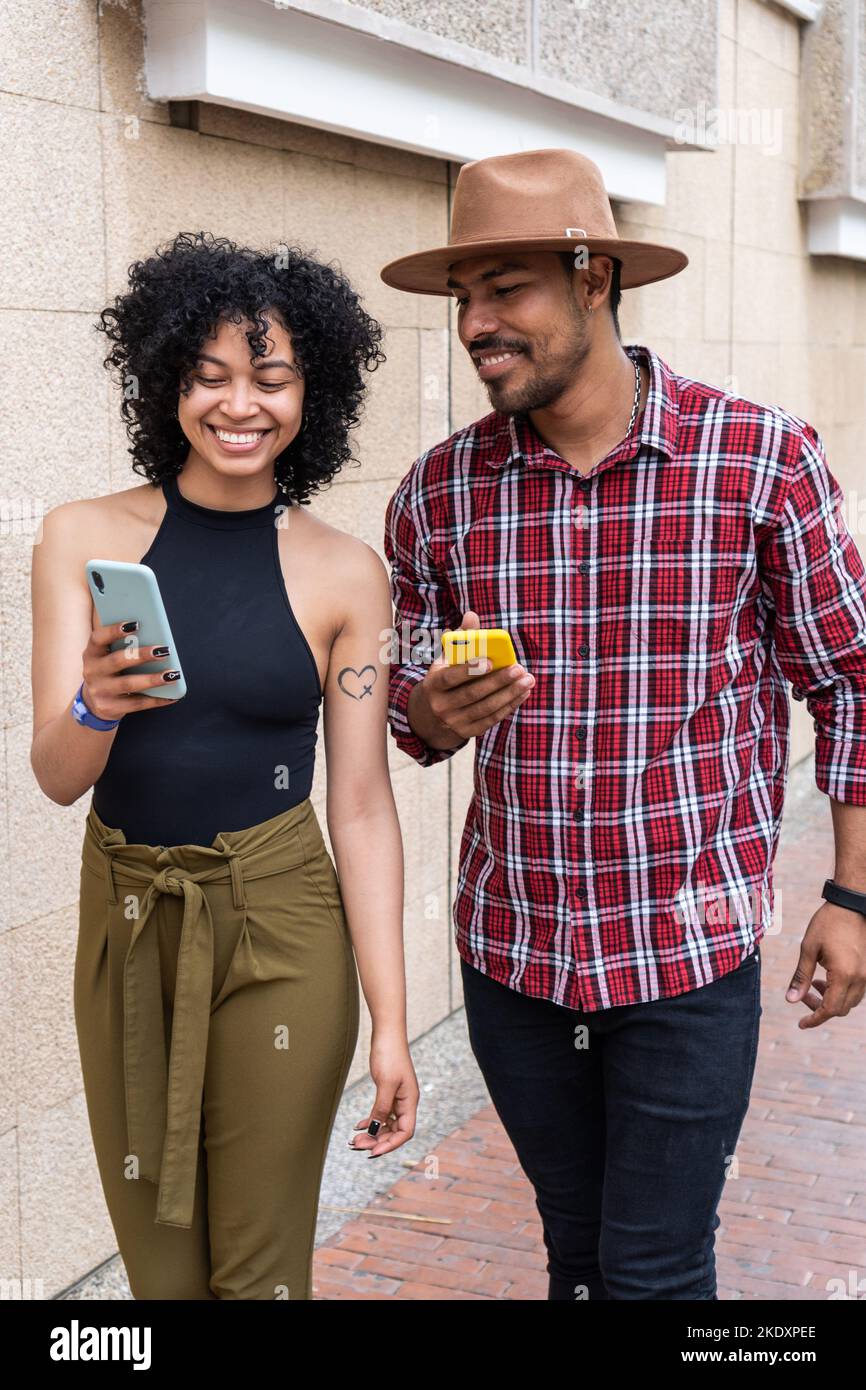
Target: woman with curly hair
216 983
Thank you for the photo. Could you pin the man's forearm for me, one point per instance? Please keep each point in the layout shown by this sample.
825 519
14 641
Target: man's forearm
425 724
849 828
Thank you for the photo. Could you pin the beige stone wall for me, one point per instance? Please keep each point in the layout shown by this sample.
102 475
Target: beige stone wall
97 176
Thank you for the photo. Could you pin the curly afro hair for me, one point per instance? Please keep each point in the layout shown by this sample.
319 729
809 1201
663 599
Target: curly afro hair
177 298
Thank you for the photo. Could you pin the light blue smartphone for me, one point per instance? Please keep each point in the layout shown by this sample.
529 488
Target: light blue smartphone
121 591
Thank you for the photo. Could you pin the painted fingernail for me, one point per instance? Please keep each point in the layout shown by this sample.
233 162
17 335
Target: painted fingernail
160 651
131 626
374 1126
171 675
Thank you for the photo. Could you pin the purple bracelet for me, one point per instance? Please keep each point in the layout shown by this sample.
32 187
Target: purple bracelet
83 715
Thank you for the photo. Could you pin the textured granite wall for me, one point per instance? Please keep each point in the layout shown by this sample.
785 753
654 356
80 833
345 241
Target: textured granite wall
622 51
833 99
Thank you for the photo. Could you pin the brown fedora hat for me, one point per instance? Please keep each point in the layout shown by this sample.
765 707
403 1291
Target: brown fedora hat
537 200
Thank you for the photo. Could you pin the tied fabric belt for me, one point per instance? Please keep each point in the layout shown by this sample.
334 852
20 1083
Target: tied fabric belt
164 1099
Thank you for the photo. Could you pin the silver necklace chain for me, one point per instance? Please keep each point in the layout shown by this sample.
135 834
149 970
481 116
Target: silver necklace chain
636 397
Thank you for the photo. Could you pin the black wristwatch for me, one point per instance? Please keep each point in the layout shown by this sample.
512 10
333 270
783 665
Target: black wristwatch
844 897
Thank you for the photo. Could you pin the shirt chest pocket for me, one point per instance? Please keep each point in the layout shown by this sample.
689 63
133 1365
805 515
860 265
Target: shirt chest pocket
682 592
653 595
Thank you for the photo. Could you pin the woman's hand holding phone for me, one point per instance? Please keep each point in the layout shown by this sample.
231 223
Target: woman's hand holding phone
111 682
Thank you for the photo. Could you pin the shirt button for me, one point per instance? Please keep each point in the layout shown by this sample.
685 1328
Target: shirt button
578 815
583 567
583 649
580 891
581 732
584 484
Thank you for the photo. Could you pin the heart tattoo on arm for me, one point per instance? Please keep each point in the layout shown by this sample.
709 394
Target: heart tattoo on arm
357 683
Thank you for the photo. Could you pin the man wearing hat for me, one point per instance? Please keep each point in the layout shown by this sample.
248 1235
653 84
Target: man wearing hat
665 557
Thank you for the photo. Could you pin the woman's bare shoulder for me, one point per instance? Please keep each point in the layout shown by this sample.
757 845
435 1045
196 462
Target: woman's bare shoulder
347 555
112 518
344 566
130 502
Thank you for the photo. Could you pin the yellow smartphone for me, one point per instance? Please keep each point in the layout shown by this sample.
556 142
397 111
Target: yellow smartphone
470 643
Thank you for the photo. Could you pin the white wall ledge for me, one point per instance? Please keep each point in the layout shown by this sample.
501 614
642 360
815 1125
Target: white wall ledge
436 46
803 9
837 227
337 67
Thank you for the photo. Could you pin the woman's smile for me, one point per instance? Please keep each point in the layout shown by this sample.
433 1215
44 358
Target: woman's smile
239 441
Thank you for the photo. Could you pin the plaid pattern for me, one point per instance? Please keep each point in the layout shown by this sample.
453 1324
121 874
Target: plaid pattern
619 843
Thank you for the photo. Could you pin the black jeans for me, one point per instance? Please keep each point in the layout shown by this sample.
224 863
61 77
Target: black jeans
625 1121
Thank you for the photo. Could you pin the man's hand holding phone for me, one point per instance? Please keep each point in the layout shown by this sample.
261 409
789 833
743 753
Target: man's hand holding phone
455 703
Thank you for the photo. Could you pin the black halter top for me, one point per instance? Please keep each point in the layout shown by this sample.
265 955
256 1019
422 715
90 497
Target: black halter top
239 747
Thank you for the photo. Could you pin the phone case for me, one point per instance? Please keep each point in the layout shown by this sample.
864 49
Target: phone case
132 591
465 644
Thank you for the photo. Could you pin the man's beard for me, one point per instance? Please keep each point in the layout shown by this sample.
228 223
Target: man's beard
545 385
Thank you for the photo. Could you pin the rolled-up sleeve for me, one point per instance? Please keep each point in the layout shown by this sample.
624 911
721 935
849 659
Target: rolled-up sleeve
423 609
813 574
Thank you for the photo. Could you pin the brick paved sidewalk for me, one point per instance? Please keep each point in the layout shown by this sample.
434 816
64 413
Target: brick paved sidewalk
793 1217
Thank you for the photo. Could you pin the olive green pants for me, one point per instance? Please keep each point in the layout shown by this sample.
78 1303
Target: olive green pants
216 1006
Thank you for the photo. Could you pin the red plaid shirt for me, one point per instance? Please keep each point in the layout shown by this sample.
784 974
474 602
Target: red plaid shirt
619 842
